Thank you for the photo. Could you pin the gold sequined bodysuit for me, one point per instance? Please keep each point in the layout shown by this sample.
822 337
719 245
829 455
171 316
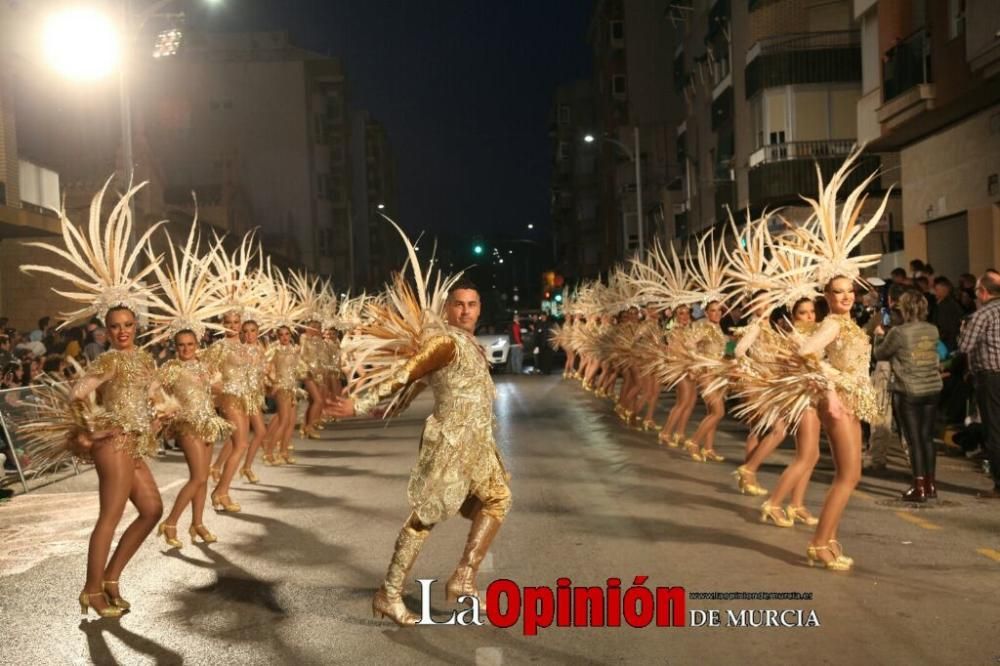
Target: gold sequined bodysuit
125 382
236 361
849 355
285 369
312 353
190 383
458 455
331 356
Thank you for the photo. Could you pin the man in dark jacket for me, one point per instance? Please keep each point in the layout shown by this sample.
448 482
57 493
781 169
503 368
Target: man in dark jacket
949 312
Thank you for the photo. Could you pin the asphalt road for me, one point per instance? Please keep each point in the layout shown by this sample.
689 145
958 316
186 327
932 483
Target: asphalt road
291 578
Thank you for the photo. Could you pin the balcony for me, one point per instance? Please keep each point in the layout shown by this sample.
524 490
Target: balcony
812 57
907 89
778 179
800 150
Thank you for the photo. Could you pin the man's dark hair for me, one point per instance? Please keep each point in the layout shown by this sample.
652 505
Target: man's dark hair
895 291
901 272
463 283
928 269
942 280
923 283
43 323
916 265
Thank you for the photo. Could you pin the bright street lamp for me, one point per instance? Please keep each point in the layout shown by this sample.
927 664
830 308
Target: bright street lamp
589 138
81 44
531 226
381 206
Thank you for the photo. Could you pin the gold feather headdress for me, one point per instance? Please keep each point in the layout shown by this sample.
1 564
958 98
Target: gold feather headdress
238 286
661 280
280 305
396 326
708 273
835 231
747 267
308 292
101 262
186 299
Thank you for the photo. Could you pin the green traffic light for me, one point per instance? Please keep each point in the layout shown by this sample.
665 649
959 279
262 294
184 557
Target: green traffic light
478 249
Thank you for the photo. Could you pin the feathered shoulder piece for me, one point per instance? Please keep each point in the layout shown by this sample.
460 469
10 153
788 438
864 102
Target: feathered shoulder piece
836 230
186 298
660 280
397 326
101 264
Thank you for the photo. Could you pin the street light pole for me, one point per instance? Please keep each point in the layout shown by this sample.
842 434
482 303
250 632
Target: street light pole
633 154
125 105
638 192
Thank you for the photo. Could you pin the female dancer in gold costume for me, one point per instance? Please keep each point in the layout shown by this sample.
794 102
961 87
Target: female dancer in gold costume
111 417
285 369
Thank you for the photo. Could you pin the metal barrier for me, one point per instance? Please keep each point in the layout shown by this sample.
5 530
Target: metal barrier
17 406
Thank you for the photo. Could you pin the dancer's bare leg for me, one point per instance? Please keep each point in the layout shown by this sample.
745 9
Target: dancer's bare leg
145 496
115 470
797 474
259 433
233 412
196 453
845 444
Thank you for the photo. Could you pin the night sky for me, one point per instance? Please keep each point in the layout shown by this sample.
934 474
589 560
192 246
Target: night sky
463 88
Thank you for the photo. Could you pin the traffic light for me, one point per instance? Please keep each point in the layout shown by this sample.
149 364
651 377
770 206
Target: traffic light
558 298
477 249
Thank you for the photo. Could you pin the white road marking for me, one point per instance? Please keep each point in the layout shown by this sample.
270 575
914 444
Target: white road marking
489 656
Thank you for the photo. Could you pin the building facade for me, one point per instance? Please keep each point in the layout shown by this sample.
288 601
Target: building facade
932 95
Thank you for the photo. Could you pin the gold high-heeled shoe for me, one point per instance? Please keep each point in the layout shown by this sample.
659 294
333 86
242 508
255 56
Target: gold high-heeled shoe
650 424
767 512
801 514
115 599
835 564
711 455
693 451
250 475
268 460
215 473
108 611
223 503
201 531
288 459
747 482
172 541
838 550
311 433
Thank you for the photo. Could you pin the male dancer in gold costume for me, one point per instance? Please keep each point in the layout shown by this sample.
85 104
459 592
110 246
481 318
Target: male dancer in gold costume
459 467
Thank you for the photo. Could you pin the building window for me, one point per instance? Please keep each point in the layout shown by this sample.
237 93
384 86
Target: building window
618 85
618 33
956 18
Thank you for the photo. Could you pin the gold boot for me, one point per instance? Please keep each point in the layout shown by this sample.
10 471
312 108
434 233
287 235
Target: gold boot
463 581
388 601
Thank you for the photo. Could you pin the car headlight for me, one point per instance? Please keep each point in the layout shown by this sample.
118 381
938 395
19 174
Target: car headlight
498 343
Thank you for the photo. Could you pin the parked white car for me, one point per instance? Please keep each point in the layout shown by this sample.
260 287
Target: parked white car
496 346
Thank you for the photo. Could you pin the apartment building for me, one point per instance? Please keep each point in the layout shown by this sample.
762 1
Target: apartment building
932 94
584 247
252 115
377 247
770 91
632 45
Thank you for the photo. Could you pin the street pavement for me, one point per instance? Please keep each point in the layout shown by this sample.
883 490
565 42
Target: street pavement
291 579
